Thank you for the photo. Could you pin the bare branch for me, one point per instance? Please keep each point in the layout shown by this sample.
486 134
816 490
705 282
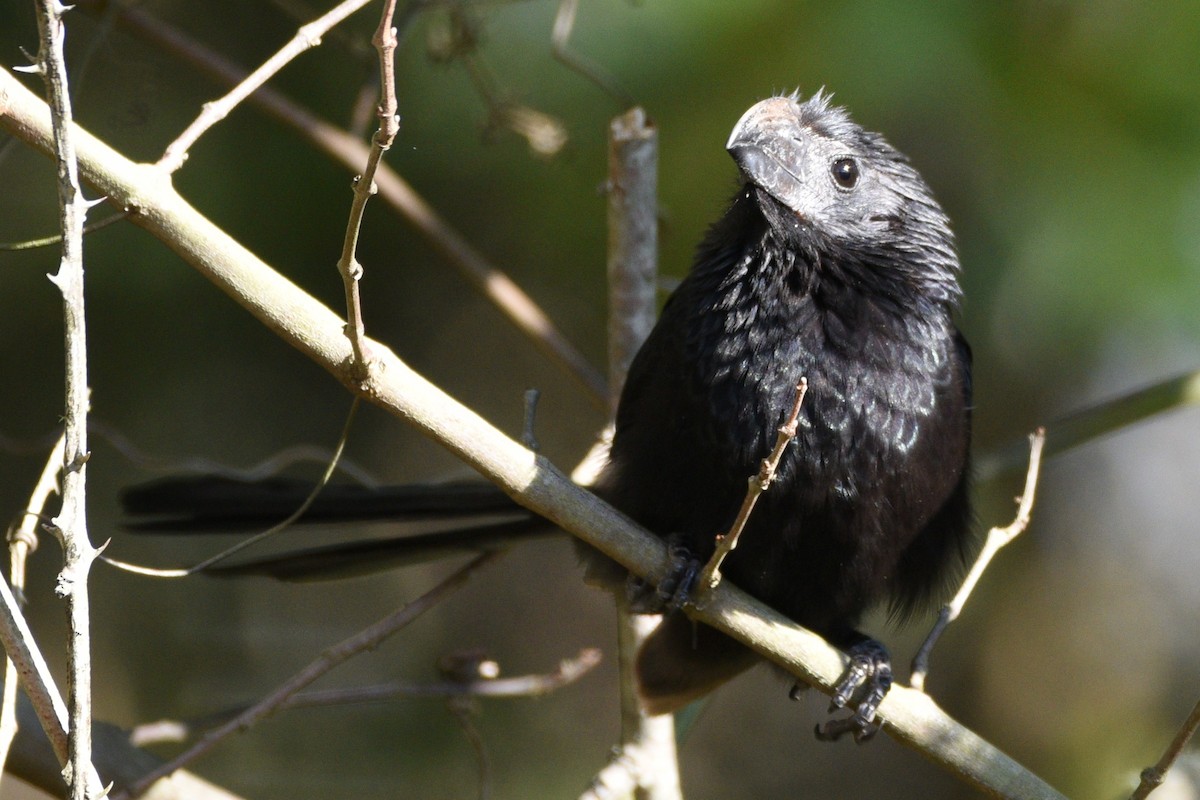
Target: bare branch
33 760
364 185
307 37
50 241
23 540
33 672
997 538
71 523
710 576
564 23
1094 422
1152 777
632 241
569 671
491 282
366 639
250 541
909 716
648 740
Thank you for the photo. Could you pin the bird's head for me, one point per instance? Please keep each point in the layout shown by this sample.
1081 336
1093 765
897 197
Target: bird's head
826 184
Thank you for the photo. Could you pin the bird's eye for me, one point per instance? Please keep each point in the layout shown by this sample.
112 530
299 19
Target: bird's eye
845 172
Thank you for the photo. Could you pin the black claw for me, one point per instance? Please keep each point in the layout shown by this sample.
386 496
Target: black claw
869 674
674 590
798 688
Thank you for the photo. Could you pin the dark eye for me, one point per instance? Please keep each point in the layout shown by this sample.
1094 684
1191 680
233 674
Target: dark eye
845 172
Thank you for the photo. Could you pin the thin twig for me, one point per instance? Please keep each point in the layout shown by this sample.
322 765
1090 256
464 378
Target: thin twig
250 541
545 135
1091 423
367 639
71 523
1152 777
23 540
910 717
517 306
463 710
270 466
569 671
307 37
997 538
33 672
50 241
560 36
471 665
710 576
364 185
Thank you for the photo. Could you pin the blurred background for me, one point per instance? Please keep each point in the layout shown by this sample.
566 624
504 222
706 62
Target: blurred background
1063 139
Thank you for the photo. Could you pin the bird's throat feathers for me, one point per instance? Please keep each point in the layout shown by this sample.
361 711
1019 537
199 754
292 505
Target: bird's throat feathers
765 297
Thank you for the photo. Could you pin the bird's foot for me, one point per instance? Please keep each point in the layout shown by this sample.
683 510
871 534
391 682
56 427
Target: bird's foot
869 677
674 590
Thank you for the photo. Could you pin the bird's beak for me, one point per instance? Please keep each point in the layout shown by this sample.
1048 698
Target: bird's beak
768 146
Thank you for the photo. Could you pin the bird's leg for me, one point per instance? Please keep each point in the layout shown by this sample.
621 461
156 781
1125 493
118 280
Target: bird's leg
674 590
869 676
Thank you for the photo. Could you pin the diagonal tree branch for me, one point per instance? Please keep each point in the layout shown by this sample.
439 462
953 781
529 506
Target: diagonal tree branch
307 37
366 639
909 716
490 281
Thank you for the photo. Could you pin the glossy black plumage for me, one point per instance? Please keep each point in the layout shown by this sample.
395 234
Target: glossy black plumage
854 289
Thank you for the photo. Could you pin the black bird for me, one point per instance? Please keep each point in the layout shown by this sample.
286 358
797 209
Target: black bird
833 263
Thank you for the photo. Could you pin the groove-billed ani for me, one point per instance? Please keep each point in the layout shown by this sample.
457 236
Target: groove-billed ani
833 263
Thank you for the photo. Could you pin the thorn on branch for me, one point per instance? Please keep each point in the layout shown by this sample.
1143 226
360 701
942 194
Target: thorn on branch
528 436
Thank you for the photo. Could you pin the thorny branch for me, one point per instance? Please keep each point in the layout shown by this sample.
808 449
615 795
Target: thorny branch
71 523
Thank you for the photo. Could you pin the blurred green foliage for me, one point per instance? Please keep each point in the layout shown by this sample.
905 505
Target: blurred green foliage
1063 138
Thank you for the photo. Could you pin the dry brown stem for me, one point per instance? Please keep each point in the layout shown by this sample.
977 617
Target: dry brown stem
997 538
710 576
